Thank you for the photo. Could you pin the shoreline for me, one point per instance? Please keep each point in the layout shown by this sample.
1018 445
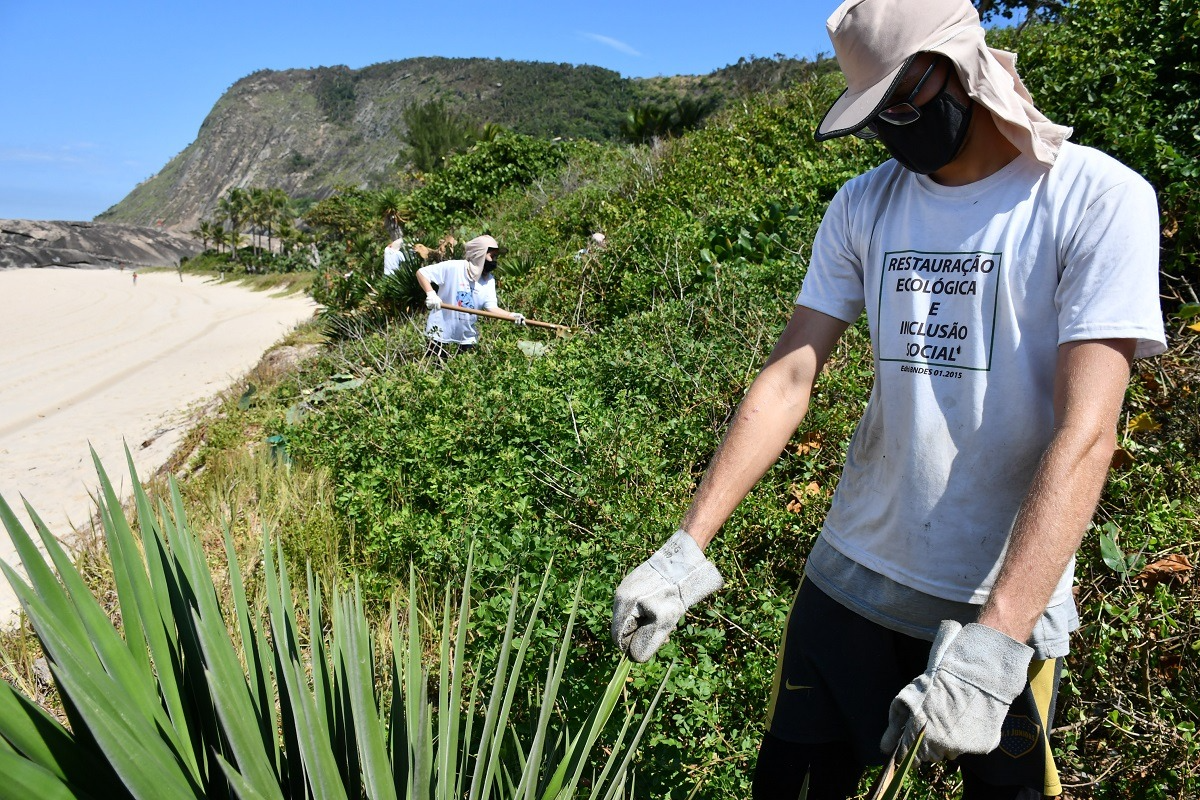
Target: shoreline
90 358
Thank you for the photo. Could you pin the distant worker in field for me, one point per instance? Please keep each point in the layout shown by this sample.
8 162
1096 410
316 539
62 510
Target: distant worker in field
464 283
393 256
596 243
1009 279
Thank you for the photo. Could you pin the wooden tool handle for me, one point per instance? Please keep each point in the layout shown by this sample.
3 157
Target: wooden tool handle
482 313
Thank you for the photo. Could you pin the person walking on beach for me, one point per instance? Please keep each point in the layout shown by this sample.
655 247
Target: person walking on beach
1009 279
465 283
135 279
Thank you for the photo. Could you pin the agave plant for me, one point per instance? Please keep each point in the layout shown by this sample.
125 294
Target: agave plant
291 703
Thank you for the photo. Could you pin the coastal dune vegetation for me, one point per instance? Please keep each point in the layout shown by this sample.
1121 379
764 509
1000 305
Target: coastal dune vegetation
554 464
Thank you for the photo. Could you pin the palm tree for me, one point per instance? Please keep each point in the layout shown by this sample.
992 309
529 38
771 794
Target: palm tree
279 211
643 123
490 131
204 232
233 208
258 209
392 208
289 235
688 113
218 236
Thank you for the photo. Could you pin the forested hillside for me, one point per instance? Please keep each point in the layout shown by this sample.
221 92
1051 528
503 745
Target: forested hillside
309 131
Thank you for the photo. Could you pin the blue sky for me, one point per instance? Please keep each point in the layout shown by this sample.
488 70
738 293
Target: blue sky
99 96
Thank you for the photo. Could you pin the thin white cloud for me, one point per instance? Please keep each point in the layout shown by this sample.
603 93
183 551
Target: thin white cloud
65 155
615 44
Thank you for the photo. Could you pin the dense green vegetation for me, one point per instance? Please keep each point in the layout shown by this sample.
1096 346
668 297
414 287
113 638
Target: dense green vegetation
1124 76
584 453
589 452
347 126
254 231
433 133
334 90
169 709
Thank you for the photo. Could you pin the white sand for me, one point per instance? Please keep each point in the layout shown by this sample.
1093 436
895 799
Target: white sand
88 357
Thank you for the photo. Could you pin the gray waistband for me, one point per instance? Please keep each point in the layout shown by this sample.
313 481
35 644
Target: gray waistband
908 611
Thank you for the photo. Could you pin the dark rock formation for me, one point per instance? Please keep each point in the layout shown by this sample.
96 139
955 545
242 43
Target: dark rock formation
89 245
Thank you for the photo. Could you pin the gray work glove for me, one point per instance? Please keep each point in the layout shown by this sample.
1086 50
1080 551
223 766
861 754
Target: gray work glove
974 674
653 598
432 301
518 319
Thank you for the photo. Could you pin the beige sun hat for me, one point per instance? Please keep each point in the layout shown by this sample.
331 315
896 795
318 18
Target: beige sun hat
477 250
876 40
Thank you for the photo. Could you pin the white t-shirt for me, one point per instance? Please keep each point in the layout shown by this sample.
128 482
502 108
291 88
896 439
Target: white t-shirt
969 291
393 257
455 288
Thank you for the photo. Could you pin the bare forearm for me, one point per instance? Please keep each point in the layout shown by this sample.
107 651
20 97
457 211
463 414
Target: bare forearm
504 312
424 282
764 422
1090 382
766 419
1048 531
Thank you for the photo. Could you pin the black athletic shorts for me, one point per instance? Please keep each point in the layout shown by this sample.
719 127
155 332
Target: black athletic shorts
836 677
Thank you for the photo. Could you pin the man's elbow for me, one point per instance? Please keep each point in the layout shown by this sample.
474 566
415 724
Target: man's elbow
1092 444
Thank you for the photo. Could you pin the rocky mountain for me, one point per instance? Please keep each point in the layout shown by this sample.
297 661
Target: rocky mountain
28 243
307 131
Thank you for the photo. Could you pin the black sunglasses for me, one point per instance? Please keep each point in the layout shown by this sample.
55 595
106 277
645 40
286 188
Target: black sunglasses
904 113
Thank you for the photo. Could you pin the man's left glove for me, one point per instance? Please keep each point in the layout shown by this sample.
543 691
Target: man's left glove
974 674
653 598
518 319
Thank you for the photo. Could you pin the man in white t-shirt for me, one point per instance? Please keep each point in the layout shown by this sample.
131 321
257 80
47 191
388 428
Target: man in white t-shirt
1009 279
462 283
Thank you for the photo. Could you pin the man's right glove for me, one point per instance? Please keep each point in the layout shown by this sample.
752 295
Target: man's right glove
432 301
961 700
653 598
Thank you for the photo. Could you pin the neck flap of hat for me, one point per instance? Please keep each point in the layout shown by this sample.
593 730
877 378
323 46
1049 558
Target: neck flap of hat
477 250
991 79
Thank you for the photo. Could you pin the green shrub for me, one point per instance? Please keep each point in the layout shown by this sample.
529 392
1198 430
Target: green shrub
586 456
1125 76
325 705
456 195
434 132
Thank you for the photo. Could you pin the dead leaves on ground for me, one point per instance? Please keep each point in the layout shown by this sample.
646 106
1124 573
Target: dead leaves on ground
1142 422
1121 459
809 443
1174 567
800 494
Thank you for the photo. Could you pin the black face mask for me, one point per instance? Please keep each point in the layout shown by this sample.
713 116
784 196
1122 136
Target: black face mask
489 265
933 141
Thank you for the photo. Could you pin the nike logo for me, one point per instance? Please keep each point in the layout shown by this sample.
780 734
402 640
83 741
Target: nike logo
794 686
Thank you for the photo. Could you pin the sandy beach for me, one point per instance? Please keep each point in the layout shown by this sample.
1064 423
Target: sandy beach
86 357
